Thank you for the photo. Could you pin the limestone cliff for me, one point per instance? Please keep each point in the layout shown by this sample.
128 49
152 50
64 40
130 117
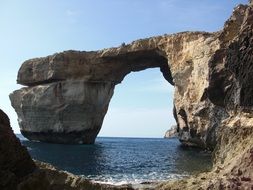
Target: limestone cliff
231 88
68 93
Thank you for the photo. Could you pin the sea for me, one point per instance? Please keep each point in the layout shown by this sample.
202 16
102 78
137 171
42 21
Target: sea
118 161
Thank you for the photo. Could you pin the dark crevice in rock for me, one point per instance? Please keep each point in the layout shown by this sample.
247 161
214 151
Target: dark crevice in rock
183 115
164 68
175 117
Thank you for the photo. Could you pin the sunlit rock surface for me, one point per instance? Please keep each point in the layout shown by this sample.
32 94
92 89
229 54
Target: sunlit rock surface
63 112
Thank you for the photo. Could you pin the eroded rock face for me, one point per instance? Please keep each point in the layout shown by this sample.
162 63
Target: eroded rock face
230 88
70 111
15 162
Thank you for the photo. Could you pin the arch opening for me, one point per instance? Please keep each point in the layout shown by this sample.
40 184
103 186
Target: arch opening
142 106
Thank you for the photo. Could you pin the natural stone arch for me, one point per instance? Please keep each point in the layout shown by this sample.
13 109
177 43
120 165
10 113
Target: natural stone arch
68 93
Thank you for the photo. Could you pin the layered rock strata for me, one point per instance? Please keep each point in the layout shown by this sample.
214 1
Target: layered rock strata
68 93
69 111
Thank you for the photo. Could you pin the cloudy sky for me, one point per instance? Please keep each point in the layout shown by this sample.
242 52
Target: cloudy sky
142 104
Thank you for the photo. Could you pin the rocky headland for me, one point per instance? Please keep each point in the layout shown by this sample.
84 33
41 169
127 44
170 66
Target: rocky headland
171 133
67 95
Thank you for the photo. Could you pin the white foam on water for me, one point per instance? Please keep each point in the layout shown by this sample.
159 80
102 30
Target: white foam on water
134 179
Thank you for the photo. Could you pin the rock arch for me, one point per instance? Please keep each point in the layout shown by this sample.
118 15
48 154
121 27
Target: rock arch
68 93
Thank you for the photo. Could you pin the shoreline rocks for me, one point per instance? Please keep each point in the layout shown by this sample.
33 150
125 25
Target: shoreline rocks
19 171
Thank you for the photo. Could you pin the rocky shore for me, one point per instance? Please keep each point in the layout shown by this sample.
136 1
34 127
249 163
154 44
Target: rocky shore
19 171
213 103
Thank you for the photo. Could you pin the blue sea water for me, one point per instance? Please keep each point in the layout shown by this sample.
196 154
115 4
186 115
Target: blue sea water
123 160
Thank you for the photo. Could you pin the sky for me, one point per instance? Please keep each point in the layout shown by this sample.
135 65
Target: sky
142 104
